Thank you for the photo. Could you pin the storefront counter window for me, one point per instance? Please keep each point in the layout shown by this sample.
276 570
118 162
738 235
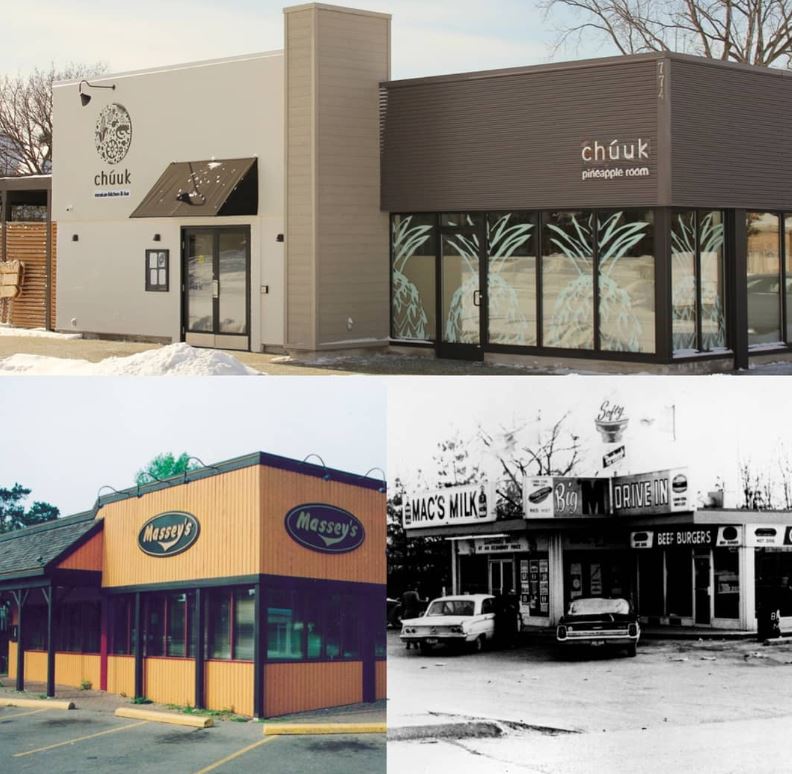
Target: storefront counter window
77 627
230 624
121 615
774 580
679 596
727 583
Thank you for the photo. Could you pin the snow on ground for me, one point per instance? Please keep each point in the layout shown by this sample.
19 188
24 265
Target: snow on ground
172 360
780 368
8 330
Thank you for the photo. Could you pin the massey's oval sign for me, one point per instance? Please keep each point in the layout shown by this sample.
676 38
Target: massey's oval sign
168 534
324 528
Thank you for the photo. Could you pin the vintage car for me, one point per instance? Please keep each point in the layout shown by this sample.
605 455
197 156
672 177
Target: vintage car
453 621
597 621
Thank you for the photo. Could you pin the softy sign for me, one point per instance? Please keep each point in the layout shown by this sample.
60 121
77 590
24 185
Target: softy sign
168 534
324 528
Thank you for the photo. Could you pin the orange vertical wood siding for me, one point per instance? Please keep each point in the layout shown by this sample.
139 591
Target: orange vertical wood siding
282 490
228 685
87 557
12 658
70 668
169 680
301 687
382 680
121 675
227 508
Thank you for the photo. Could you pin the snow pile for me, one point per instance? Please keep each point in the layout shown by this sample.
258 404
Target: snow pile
173 360
779 368
8 330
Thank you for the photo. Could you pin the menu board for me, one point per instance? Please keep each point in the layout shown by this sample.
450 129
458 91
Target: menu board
539 587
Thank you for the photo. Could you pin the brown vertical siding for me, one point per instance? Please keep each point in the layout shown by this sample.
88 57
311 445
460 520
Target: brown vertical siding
229 686
301 687
87 557
27 242
283 490
169 680
121 675
227 507
730 136
513 140
382 680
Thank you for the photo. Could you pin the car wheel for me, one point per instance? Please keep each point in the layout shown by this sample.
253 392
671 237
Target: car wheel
632 649
480 643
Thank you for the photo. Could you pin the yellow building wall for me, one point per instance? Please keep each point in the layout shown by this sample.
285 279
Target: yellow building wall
70 668
382 680
228 685
281 555
227 508
169 680
301 687
121 675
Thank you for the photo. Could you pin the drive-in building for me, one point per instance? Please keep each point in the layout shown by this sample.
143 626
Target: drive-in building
630 211
255 585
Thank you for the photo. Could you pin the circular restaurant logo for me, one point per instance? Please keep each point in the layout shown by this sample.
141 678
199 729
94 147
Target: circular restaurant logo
168 534
324 528
113 134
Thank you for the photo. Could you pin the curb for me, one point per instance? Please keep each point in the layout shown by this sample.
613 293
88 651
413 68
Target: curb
37 703
275 729
474 730
164 717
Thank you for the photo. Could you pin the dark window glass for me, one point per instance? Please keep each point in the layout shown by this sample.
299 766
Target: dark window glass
177 625
568 280
764 278
218 625
512 240
679 584
413 283
34 627
727 583
461 219
154 625
244 621
788 252
77 627
650 583
625 257
284 626
121 609
774 580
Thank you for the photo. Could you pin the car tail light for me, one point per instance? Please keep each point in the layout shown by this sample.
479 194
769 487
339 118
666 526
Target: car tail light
632 630
561 632
457 630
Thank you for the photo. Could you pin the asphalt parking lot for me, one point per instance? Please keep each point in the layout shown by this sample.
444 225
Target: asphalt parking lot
78 741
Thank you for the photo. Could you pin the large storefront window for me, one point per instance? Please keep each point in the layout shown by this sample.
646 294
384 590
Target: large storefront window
413 280
764 278
568 280
511 278
774 580
230 624
727 583
679 589
625 257
121 614
697 281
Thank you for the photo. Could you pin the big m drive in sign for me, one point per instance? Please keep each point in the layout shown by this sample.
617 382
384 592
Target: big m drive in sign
662 491
455 505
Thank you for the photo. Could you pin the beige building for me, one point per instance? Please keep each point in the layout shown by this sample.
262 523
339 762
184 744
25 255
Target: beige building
230 203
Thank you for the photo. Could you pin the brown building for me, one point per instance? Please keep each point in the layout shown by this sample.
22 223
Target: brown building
255 585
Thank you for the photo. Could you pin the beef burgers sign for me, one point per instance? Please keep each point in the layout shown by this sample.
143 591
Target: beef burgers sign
168 534
324 528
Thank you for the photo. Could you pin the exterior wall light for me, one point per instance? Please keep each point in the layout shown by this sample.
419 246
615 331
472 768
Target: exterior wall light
86 98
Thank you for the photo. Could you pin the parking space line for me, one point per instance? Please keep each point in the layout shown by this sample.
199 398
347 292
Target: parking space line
3 716
237 754
80 739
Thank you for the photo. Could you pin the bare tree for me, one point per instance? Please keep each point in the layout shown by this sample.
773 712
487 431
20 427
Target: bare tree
26 116
757 32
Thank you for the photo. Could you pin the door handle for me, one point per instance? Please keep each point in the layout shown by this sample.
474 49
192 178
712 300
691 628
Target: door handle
215 288
476 298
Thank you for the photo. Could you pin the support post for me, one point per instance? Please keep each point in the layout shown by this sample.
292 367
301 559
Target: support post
104 604
200 624
48 267
454 577
664 350
138 648
49 596
20 597
738 247
259 653
373 617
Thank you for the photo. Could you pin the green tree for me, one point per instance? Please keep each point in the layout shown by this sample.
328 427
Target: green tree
165 465
12 509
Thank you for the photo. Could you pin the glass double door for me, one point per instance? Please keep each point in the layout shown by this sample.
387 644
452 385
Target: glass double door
460 290
216 287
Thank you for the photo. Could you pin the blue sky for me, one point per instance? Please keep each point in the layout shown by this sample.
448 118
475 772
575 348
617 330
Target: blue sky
429 38
66 437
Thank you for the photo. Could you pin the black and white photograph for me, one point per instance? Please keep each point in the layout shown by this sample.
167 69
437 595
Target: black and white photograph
589 574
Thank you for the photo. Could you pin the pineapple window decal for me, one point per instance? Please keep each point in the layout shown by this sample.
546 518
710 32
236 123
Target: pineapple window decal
113 134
